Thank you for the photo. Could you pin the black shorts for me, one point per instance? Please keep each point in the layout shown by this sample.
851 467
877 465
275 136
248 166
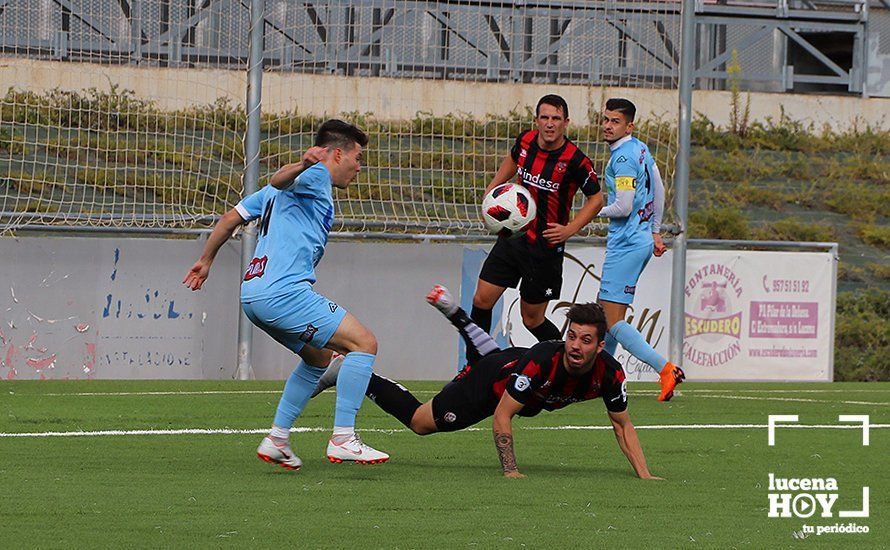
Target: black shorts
470 398
539 268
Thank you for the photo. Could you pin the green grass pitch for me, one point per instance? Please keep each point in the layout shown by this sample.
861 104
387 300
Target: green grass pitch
440 491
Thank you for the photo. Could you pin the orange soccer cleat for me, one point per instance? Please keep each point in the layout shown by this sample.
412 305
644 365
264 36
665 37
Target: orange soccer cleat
670 376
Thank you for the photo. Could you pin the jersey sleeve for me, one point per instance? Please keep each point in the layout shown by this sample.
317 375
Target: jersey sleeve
658 187
530 373
517 147
621 207
614 391
312 182
251 206
584 173
625 169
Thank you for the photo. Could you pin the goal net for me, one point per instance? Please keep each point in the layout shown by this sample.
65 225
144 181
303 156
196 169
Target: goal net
131 114
126 114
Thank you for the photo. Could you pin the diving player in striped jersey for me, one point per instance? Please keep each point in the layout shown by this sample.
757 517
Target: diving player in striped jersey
516 382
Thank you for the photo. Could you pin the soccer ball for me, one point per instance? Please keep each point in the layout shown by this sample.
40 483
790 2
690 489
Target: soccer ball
508 209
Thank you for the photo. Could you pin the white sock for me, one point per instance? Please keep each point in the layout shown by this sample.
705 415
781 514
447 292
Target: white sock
278 432
343 432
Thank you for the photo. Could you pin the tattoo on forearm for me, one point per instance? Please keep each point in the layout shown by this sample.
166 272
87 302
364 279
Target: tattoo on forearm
504 443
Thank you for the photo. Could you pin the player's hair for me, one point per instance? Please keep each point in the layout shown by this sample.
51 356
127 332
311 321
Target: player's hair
623 106
589 314
555 101
339 134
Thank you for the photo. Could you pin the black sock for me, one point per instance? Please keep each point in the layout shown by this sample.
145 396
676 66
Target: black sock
482 317
479 343
393 398
546 331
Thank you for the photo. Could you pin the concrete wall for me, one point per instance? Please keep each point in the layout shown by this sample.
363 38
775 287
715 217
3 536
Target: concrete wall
403 98
115 307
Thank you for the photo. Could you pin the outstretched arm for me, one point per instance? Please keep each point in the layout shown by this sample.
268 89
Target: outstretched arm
196 276
630 443
503 434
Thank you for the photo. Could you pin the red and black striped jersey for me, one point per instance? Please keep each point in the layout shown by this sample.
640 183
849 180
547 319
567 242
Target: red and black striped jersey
552 178
539 381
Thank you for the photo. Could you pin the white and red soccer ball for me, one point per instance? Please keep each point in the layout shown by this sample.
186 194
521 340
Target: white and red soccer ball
508 208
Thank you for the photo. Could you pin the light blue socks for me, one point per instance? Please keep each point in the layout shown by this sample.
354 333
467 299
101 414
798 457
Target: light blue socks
297 390
611 344
631 340
352 382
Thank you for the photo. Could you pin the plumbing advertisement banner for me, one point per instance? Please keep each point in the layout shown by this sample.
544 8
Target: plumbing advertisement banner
749 315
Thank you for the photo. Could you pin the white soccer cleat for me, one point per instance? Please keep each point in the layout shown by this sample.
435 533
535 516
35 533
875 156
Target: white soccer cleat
269 452
355 450
441 299
329 377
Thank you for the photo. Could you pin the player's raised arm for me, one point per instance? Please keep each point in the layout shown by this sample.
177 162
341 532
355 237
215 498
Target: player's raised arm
285 175
630 443
503 434
196 276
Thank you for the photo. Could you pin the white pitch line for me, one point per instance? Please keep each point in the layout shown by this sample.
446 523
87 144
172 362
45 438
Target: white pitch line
236 392
175 393
129 393
792 399
792 390
679 392
253 431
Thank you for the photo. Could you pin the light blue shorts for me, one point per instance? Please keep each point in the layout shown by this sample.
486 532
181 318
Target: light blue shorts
297 318
621 271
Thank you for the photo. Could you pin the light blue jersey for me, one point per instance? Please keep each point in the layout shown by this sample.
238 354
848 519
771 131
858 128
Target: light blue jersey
293 231
630 168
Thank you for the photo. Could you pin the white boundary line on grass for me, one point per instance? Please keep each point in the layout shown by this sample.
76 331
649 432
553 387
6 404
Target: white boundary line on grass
230 431
792 399
680 392
790 390
707 394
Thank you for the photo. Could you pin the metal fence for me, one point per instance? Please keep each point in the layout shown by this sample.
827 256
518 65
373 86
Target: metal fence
131 114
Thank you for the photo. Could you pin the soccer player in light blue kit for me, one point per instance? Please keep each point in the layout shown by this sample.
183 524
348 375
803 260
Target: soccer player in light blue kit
295 214
635 205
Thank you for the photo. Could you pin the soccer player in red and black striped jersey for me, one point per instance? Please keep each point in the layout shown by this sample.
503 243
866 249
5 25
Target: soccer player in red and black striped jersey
553 169
516 381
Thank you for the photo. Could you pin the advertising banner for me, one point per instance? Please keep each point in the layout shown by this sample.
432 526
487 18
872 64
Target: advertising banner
750 315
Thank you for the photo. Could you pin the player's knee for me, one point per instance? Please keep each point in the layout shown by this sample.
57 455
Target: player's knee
481 301
532 319
367 343
358 339
371 343
422 422
420 428
319 358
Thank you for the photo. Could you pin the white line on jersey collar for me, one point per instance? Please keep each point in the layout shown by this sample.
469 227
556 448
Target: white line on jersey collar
620 142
